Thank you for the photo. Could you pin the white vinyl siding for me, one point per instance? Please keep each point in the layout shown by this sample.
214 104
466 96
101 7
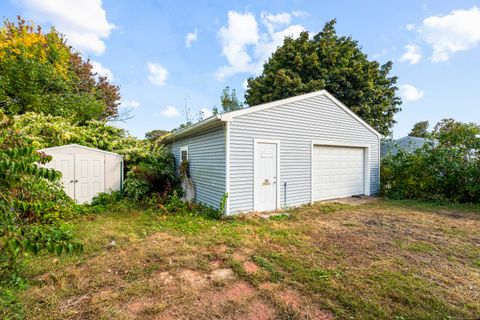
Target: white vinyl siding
295 125
206 155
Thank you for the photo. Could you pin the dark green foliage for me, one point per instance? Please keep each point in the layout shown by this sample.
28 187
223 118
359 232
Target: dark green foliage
152 174
442 172
32 204
155 134
337 64
105 198
420 130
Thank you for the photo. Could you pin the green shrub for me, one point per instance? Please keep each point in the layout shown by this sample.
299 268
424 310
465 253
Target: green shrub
32 205
106 198
153 174
442 172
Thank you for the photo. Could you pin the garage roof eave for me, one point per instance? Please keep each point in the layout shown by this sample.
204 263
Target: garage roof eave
197 127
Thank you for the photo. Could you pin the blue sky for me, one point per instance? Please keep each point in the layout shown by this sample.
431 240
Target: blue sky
168 54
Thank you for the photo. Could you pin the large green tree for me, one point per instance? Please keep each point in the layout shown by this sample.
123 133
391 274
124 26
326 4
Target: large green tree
39 72
331 62
420 130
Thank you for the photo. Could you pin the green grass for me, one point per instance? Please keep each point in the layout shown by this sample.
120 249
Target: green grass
386 260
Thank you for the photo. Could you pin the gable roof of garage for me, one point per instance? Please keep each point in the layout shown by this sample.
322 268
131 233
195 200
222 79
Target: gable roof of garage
229 116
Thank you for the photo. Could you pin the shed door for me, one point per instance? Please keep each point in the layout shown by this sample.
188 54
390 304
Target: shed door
65 163
89 176
337 172
266 176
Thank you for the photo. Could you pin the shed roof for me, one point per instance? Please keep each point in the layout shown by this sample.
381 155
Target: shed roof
229 116
80 146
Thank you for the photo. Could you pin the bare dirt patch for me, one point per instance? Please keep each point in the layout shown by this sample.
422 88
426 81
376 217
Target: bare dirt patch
250 267
222 275
194 279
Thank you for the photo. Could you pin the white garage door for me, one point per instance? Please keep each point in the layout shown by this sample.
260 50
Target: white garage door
337 172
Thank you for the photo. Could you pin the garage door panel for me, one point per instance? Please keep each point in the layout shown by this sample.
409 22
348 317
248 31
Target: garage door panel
337 171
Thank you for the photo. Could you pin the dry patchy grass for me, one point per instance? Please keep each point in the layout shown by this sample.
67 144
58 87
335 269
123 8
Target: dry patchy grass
385 260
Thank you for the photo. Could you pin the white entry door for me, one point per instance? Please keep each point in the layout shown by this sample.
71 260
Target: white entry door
265 176
89 177
65 163
337 172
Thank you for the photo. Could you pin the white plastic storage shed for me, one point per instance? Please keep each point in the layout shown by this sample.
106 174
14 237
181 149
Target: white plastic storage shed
86 171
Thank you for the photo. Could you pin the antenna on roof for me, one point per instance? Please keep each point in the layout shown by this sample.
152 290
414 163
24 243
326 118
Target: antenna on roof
187 113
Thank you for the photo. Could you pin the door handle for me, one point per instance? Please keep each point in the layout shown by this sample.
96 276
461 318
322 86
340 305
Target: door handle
76 181
71 181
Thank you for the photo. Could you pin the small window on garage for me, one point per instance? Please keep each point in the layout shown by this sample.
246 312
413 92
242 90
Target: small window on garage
184 153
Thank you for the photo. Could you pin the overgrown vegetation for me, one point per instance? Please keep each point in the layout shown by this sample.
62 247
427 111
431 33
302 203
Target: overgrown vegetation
446 168
39 72
50 97
154 174
32 205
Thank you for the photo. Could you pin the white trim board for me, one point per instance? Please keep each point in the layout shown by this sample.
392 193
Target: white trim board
278 182
366 162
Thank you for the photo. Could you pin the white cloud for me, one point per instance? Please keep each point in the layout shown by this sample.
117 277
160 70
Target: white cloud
130 104
84 22
170 112
410 93
157 74
274 21
410 27
245 84
207 113
246 47
99 69
457 31
412 54
242 30
191 38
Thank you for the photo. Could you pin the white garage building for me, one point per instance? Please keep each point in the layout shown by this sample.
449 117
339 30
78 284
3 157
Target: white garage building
283 153
86 171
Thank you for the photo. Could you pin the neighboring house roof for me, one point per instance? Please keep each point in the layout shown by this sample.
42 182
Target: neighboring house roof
80 146
229 116
408 144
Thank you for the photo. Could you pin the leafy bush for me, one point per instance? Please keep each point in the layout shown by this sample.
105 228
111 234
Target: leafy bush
153 174
32 204
42 131
443 172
